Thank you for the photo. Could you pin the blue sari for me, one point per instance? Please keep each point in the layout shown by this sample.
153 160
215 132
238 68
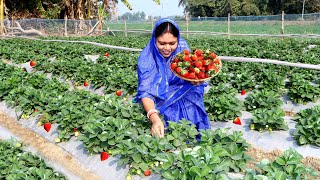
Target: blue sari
175 98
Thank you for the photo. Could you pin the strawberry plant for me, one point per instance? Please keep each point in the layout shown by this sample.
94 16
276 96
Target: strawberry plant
302 91
243 80
262 99
307 128
270 80
222 107
268 119
286 166
18 164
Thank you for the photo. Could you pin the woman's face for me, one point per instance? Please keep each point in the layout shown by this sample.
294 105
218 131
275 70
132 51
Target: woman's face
166 44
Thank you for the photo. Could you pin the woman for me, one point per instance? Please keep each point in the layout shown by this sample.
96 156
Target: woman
162 92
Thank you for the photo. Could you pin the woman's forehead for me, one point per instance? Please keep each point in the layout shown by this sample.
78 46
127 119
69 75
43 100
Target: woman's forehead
167 37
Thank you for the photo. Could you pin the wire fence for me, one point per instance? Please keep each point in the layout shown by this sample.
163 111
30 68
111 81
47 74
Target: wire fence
273 25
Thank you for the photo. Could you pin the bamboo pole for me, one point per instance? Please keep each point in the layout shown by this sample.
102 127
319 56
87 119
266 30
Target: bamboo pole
125 28
1 17
229 25
187 23
282 28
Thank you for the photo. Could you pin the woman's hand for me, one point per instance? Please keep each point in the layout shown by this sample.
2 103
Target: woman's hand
157 125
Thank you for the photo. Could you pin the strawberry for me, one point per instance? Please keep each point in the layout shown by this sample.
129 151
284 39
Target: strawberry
213 55
47 126
85 84
243 92
106 54
237 121
173 66
118 92
186 58
198 52
104 156
35 110
197 70
175 60
186 64
198 64
201 58
75 129
147 172
178 70
201 75
186 52
32 63
184 73
216 61
194 58
192 75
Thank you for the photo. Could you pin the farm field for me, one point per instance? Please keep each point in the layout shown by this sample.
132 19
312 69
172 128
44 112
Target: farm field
73 88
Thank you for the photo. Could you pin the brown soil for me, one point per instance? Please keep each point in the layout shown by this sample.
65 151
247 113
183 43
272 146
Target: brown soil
45 148
258 154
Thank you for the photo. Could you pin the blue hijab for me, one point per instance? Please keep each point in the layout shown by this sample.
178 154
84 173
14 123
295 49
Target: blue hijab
154 74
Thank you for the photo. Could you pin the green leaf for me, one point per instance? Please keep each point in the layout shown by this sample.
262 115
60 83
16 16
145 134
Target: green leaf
195 171
281 161
280 175
168 175
136 158
205 171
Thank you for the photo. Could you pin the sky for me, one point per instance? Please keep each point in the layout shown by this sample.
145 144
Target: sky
166 8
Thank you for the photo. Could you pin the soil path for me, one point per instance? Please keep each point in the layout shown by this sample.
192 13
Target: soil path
45 148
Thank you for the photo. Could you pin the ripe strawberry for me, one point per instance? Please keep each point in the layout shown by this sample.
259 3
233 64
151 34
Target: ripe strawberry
178 70
194 58
104 156
237 121
35 110
216 61
32 63
192 75
201 75
147 172
85 84
173 66
198 64
47 126
213 55
106 54
186 52
198 52
201 58
243 92
75 129
184 73
186 58
175 60
118 92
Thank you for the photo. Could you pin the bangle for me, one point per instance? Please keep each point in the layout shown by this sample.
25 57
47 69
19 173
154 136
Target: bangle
150 112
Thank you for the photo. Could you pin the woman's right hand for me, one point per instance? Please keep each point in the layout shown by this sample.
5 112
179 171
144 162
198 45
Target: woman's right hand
157 126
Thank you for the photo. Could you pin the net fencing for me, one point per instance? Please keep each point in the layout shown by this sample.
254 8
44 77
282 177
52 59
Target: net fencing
307 24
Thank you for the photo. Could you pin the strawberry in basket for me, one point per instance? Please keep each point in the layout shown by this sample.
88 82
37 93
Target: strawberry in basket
196 66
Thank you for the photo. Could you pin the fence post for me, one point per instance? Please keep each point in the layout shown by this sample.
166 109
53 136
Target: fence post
282 28
65 25
229 25
187 23
125 28
1 17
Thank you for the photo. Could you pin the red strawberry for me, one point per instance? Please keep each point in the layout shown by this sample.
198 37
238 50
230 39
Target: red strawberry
186 52
237 121
75 129
118 92
173 66
147 172
198 52
104 156
194 58
36 110
184 73
47 126
216 61
192 75
186 58
86 84
175 60
213 55
243 92
178 70
106 55
32 63
198 64
201 75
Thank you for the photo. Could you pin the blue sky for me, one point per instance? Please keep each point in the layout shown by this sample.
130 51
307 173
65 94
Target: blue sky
166 8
